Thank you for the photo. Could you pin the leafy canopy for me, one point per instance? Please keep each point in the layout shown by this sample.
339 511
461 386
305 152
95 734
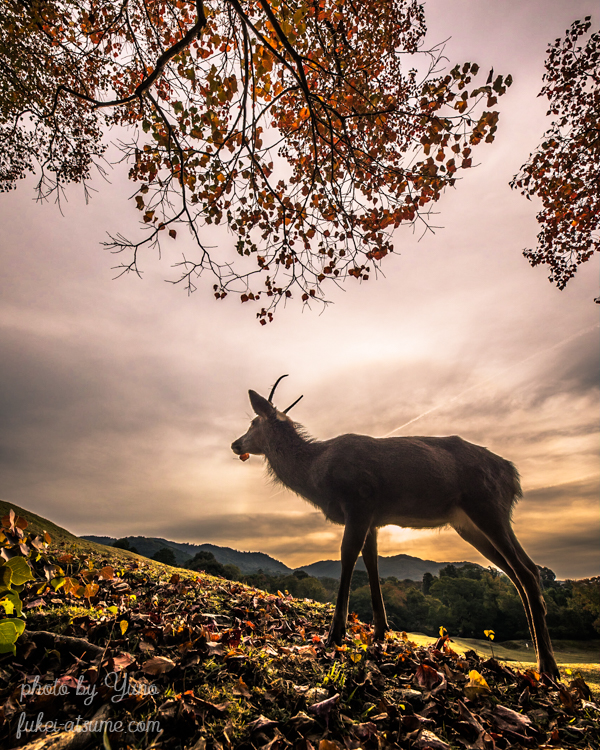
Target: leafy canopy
311 129
565 170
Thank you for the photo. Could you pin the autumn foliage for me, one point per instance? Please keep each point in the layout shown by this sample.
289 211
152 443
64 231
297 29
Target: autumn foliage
311 129
563 172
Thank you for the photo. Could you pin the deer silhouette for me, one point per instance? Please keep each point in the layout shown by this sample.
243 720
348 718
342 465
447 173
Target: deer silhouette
364 483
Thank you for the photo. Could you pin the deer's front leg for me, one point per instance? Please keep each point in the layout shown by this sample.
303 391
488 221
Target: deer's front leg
369 554
352 543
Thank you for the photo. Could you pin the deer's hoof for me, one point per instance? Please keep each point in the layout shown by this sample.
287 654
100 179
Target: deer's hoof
379 634
550 670
334 638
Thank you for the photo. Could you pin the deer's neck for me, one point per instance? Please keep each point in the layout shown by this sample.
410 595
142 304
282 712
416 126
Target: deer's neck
290 456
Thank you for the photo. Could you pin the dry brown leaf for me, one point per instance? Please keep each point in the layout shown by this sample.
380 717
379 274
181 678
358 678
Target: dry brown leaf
158 665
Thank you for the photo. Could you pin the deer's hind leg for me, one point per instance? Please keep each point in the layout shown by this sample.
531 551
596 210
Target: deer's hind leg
369 554
501 541
471 534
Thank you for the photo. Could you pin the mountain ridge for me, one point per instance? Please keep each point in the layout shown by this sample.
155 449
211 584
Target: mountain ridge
399 566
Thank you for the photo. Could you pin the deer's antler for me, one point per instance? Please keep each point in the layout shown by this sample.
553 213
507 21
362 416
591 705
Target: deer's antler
285 411
270 399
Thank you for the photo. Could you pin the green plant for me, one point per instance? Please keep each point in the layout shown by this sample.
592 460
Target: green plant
336 676
17 548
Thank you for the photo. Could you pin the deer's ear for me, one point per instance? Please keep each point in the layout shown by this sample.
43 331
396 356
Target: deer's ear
260 405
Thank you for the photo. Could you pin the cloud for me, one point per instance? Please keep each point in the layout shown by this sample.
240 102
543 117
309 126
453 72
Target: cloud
283 535
235 526
558 526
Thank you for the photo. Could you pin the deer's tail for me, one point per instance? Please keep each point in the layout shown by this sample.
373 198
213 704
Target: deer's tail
502 482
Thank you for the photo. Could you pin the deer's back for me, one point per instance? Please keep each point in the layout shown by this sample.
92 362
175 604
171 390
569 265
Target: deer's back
409 481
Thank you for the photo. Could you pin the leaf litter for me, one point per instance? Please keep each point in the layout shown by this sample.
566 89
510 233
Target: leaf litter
164 659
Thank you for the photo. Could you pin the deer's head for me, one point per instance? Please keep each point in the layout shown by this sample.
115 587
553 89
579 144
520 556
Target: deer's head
263 427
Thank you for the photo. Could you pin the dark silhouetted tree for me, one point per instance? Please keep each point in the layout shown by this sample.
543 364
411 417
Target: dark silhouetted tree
427 581
165 555
206 562
124 544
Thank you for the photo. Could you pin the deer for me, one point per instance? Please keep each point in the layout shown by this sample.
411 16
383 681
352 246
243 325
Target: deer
364 483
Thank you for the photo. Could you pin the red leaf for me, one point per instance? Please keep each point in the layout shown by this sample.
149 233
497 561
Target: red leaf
427 677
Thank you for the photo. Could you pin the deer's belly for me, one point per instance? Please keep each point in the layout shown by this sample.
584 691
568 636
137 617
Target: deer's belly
416 522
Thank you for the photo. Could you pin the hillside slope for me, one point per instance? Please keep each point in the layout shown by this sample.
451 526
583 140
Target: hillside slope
216 659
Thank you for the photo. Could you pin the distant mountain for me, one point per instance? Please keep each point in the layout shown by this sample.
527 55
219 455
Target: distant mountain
247 562
400 566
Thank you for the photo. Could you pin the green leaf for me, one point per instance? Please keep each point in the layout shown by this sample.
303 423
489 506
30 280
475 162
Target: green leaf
10 630
5 576
12 603
57 582
21 571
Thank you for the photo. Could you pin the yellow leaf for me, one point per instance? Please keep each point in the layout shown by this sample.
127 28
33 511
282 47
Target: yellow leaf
476 685
90 590
329 745
9 607
123 625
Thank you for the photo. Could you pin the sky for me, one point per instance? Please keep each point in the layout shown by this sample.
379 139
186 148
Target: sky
119 399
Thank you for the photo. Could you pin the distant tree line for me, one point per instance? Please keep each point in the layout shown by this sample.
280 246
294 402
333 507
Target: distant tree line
471 599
